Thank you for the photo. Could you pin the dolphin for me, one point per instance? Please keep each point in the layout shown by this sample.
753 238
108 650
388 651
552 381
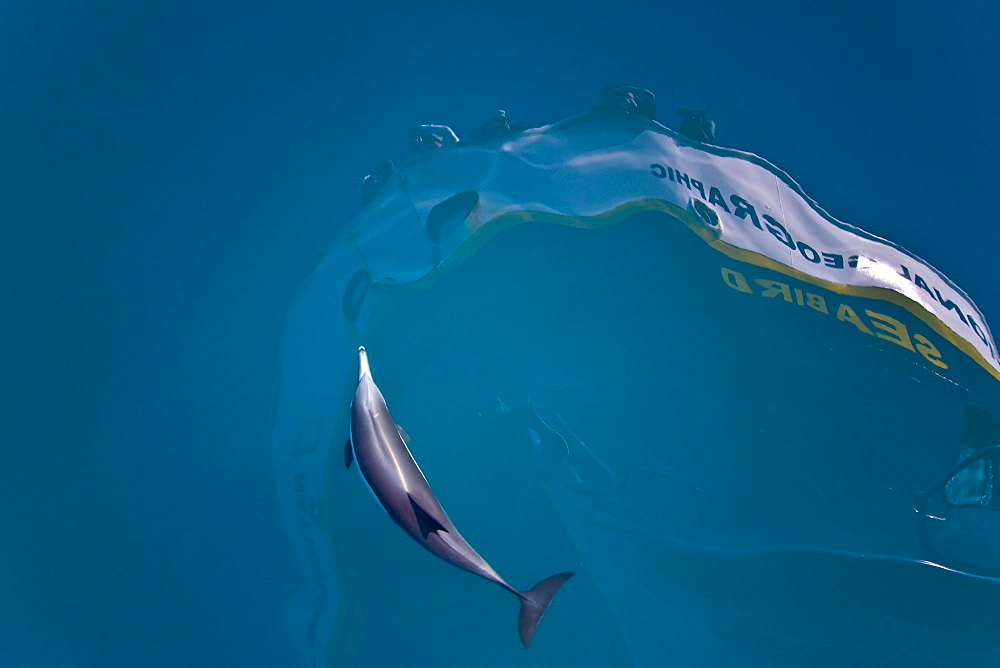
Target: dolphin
392 475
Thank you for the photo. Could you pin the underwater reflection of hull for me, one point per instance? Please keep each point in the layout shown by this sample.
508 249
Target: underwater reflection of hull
712 438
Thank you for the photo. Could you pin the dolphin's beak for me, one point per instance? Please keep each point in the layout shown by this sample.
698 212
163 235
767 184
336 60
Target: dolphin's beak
363 363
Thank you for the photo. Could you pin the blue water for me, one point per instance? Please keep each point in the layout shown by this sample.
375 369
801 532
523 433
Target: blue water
169 176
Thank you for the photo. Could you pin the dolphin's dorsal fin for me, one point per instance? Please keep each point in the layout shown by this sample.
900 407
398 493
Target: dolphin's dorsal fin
402 434
348 453
428 523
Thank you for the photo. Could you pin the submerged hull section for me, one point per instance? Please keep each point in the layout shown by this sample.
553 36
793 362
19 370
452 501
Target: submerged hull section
703 429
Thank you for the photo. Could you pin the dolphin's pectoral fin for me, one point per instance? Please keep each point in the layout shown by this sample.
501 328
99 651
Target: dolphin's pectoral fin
348 453
428 523
402 434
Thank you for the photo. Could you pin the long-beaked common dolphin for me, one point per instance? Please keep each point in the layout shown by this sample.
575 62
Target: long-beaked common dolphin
387 466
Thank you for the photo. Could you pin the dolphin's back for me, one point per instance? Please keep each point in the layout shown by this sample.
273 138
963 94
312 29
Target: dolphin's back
386 463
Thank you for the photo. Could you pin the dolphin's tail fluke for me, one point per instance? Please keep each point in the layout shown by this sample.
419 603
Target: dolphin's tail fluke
533 604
